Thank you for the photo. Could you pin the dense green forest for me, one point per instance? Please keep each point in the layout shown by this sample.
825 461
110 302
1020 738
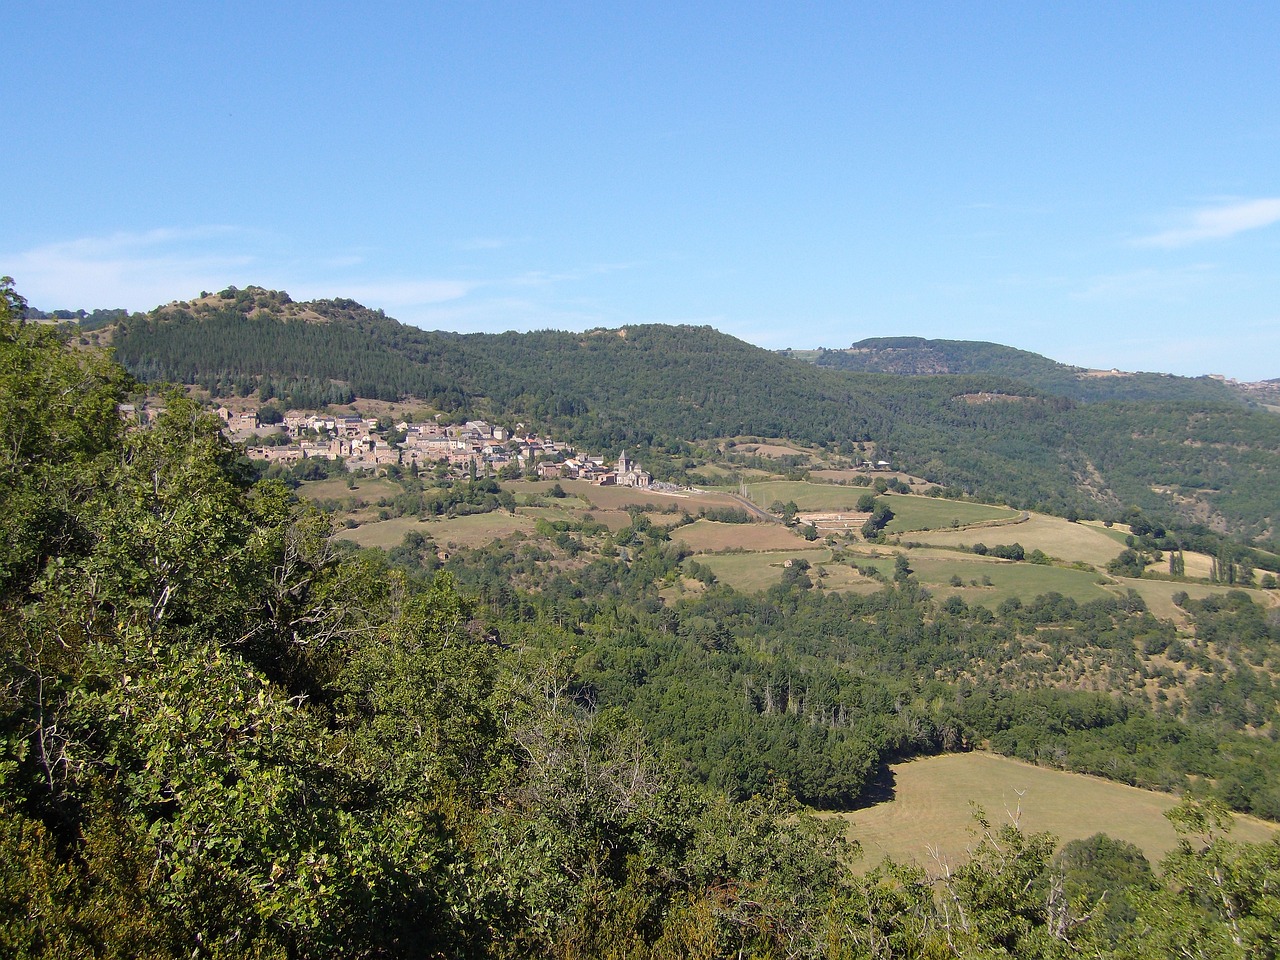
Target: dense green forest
916 356
822 689
222 735
1187 453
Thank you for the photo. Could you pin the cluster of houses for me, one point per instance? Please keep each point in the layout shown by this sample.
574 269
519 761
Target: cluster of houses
626 473
363 446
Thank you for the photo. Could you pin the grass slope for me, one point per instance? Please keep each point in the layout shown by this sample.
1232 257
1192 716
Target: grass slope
931 808
929 513
1055 536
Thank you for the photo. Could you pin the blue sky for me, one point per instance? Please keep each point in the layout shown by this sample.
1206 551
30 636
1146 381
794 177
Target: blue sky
1097 182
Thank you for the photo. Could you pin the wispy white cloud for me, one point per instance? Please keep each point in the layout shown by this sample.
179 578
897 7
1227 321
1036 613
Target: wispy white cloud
140 270
1217 223
408 293
133 270
143 269
1148 283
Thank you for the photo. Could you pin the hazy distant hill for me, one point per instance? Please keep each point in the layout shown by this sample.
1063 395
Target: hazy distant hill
1187 448
916 356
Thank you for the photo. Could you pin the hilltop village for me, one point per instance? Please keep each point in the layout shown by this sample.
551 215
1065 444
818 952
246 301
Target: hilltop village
366 444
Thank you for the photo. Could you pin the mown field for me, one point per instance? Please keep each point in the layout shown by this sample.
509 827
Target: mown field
805 495
931 809
1158 594
929 513
709 536
1022 580
1056 537
470 531
773 450
366 490
749 572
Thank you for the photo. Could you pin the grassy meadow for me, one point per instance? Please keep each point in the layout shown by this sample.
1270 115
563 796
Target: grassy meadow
366 489
1056 537
930 513
750 572
709 536
805 495
932 797
1022 580
1158 594
470 531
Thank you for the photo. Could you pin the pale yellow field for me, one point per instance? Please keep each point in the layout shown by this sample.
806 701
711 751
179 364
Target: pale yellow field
770 450
1198 565
709 536
806 496
750 572
367 490
931 809
1158 594
1055 536
471 531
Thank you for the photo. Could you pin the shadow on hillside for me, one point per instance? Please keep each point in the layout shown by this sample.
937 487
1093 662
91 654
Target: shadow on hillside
881 788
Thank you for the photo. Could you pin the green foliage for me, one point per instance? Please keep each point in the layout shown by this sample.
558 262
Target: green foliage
1105 878
880 516
916 356
57 422
1219 898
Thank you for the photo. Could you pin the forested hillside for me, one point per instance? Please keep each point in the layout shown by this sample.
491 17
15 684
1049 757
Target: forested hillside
916 356
1192 454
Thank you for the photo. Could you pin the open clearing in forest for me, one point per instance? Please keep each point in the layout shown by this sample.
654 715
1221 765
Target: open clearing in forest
470 531
1158 594
710 536
1056 537
750 572
1197 565
805 495
367 489
984 581
929 513
932 797
771 450
1022 580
